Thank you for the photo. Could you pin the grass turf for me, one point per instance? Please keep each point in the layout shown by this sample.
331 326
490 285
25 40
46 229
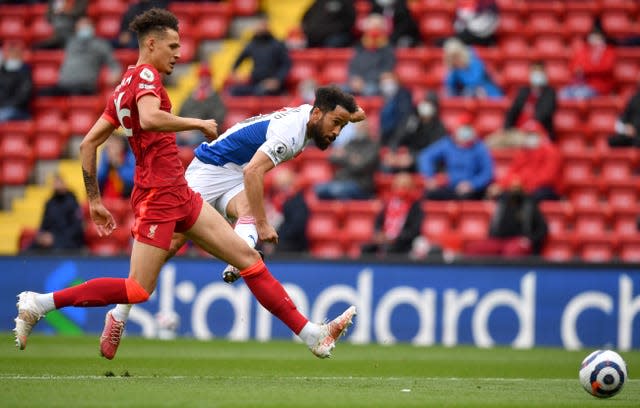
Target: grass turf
58 371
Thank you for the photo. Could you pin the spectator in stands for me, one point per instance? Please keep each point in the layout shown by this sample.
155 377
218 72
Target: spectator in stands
62 15
329 23
536 101
84 57
627 127
476 21
203 103
534 169
288 212
518 228
592 67
404 32
373 56
466 161
116 167
271 64
422 128
397 107
61 228
356 163
16 84
127 38
466 74
398 224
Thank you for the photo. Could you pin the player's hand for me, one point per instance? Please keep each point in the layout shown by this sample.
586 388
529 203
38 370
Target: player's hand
210 129
266 232
103 219
358 115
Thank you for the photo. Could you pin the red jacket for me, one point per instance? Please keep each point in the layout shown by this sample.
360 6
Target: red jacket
597 69
534 168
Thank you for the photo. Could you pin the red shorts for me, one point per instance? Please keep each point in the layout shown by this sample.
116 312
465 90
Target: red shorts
161 211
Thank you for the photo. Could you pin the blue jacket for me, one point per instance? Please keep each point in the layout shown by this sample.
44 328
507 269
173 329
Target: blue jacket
466 81
472 163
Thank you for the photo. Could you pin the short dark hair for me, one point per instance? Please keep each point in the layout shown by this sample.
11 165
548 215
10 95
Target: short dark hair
155 19
328 97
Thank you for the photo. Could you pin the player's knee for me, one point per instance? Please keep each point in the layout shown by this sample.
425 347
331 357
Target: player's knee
135 292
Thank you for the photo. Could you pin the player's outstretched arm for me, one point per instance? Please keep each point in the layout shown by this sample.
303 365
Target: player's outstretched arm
254 188
97 135
155 119
358 115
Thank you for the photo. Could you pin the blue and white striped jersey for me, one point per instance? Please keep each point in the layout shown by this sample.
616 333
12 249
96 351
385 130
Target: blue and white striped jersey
280 135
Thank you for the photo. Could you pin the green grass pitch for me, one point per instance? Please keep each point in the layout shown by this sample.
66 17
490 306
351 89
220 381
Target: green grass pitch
58 371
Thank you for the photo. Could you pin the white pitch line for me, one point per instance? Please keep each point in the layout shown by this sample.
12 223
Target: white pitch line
319 378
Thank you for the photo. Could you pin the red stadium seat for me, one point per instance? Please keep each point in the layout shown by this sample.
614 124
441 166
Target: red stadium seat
598 249
334 74
559 249
40 29
623 193
584 193
83 112
579 18
439 219
630 249
244 7
14 171
108 25
435 25
579 167
45 75
591 221
474 219
559 216
12 27
327 250
625 220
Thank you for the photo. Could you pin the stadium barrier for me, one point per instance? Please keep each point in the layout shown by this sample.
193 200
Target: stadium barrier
571 306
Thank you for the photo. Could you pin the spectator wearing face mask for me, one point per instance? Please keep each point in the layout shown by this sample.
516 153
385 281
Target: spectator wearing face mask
398 224
62 227
476 21
355 163
535 101
466 161
62 15
404 30
466 74
373 56
517 229
16 84
397 107
203 103
271 64
592 66
84 57
534 169
329 23
421 129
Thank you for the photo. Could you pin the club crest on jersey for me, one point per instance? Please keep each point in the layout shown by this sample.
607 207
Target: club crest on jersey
146 74
152 231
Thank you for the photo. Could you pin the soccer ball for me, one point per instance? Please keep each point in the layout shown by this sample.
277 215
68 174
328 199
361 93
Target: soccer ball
603 373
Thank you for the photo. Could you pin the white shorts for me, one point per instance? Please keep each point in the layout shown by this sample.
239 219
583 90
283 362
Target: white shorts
217 185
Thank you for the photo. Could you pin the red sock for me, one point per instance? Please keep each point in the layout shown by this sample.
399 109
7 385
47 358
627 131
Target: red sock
272 296
101 292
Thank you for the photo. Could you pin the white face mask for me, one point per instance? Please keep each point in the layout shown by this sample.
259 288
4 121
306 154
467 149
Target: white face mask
537 78
385 3
465 134
426 109
85 32
388 88
12 64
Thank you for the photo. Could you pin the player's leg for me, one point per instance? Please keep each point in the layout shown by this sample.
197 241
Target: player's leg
238 208
212 233
96 292
146 263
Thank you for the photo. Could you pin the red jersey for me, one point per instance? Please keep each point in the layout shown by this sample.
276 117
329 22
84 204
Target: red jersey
157 160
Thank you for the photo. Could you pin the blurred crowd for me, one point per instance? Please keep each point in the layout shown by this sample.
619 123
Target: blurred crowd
407 140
